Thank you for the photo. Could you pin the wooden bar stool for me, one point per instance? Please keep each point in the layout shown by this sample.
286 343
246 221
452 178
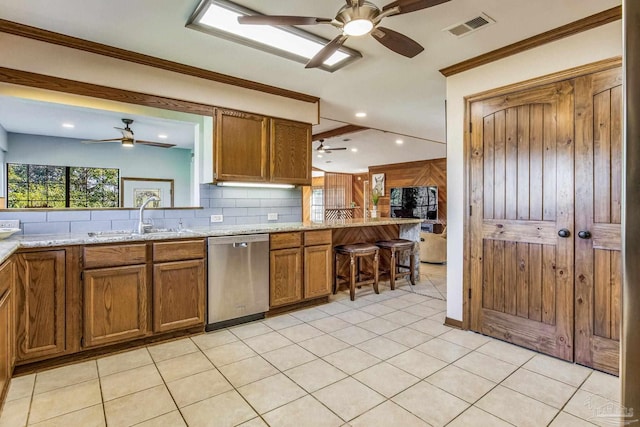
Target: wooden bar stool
357 277
397 247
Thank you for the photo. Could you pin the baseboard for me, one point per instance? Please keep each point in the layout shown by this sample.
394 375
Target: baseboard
453 323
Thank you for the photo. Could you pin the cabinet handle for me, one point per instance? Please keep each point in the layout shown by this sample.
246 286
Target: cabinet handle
563 232
584 234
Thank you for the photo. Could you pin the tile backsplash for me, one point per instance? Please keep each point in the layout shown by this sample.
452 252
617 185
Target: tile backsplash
237 206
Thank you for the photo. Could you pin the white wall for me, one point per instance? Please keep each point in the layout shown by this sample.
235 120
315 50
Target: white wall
584 48
139 161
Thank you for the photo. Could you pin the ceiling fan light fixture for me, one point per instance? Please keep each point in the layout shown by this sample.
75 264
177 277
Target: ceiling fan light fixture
127 143
358 27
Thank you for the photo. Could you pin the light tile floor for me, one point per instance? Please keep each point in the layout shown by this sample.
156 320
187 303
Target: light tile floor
381 360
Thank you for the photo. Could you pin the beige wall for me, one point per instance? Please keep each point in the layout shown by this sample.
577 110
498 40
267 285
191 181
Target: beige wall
584 48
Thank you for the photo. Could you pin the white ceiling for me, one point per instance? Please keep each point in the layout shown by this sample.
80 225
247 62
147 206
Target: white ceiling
405 96
44 118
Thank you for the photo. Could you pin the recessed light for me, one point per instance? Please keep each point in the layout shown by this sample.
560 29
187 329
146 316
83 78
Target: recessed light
68 125
355 150
399 141
319 156
162 136
361 114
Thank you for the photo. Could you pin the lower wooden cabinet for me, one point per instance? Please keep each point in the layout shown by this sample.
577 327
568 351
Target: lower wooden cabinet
115 305
178 295
40 304
317 271
6 340
300 267
285 271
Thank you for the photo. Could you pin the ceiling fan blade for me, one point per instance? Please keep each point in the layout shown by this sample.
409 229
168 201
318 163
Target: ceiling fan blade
155 144
99 141
397 42
337 148
281 20
326 52
407 6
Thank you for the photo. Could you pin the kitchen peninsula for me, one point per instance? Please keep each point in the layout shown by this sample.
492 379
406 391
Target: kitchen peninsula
72 296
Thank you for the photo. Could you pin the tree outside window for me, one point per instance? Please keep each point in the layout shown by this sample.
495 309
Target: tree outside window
45 186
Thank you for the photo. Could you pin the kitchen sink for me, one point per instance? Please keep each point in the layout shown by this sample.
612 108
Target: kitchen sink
110 234
130 233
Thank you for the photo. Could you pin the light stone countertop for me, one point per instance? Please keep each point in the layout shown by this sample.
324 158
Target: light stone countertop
10 245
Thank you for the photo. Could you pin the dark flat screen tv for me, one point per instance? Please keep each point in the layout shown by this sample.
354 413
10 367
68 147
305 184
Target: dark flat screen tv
414 202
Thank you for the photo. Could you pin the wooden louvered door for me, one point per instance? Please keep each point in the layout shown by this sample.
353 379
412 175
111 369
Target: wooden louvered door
522 190
598 274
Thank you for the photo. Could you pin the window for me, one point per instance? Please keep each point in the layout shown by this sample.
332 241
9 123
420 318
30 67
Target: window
44 186
317 204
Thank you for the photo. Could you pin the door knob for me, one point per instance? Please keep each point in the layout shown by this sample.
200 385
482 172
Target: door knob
563 232
584 234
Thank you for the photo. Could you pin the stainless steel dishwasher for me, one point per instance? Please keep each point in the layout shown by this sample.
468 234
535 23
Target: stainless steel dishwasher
238 279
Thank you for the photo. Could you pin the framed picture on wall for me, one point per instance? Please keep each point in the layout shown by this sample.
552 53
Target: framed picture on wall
377 183
134 191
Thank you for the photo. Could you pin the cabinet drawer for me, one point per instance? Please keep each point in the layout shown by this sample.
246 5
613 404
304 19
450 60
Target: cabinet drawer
285 240
312 238
178 251
116 255
6 276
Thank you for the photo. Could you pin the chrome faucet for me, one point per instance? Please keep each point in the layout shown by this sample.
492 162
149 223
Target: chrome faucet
142 227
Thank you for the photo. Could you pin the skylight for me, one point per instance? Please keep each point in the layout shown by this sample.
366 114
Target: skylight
220 18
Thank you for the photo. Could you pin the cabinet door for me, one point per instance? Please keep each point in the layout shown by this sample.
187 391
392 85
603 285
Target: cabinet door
40 304
285 285
178 295
6 335
317 271
115 305
7 285
290 152
240 146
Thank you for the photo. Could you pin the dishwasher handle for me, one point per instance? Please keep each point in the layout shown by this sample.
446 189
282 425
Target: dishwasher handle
241 245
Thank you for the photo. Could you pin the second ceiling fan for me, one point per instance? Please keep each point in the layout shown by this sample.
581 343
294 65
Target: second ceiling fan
128 140
356 18
326 149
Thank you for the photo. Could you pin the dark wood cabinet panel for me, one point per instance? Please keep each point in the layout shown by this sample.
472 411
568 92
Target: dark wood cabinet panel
285 276
178 295
290 152
241 146
317 271
115 305
40 304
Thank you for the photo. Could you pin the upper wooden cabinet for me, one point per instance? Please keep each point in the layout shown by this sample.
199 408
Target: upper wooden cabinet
290 149
254 148
241 146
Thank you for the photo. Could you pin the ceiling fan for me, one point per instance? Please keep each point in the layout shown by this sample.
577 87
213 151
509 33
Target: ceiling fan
356 18
128 139
326 149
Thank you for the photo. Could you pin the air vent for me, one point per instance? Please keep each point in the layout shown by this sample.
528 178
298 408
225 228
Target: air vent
470 25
